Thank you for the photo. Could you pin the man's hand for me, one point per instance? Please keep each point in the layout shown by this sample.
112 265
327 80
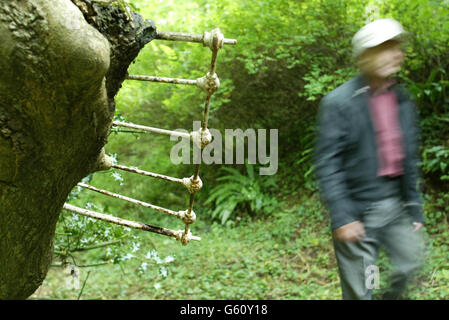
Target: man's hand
351 232
418 225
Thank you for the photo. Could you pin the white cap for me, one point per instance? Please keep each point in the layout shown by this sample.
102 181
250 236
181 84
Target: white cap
375 33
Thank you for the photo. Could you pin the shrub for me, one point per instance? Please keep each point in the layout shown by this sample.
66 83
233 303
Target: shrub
238 192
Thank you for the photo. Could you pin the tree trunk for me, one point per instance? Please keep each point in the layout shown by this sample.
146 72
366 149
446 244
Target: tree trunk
61 64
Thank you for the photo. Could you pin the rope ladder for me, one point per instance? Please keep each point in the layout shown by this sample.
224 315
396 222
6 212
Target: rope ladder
210 83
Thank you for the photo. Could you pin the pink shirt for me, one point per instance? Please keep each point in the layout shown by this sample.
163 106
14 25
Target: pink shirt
390 152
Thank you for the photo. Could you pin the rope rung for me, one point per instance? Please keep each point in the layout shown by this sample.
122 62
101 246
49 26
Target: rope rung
161 79
178 234
147 173
183 215
204 38
192 184
150 129
209 83
201 137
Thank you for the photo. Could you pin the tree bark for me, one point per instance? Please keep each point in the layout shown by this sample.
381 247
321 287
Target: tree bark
61 64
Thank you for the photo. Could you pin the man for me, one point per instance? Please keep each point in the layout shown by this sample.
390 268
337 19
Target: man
366 163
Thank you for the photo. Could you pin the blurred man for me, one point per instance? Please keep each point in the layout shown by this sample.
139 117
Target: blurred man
366 163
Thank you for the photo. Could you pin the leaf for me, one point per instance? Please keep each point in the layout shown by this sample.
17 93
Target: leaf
250 171
231 170
259 202
227 212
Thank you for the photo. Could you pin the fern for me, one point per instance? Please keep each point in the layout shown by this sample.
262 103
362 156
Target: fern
242 192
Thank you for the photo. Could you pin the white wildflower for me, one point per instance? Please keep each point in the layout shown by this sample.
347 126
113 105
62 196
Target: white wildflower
163 271
135 246
117 176
151 254
128 257
113 156
144 266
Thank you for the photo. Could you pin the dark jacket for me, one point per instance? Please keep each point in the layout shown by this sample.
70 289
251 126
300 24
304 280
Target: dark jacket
346 153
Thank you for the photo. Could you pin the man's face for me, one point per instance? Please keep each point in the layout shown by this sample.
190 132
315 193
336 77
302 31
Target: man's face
382 61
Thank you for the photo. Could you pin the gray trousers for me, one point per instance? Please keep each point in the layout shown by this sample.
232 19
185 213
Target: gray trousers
386 224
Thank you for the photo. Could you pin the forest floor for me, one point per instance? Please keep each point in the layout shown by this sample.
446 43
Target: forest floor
288 255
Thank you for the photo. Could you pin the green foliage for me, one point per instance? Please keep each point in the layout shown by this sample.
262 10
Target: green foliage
437 214
75 233
78 233
436 159
239 192
435 89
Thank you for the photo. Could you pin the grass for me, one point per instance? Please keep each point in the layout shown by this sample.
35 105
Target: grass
286 256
